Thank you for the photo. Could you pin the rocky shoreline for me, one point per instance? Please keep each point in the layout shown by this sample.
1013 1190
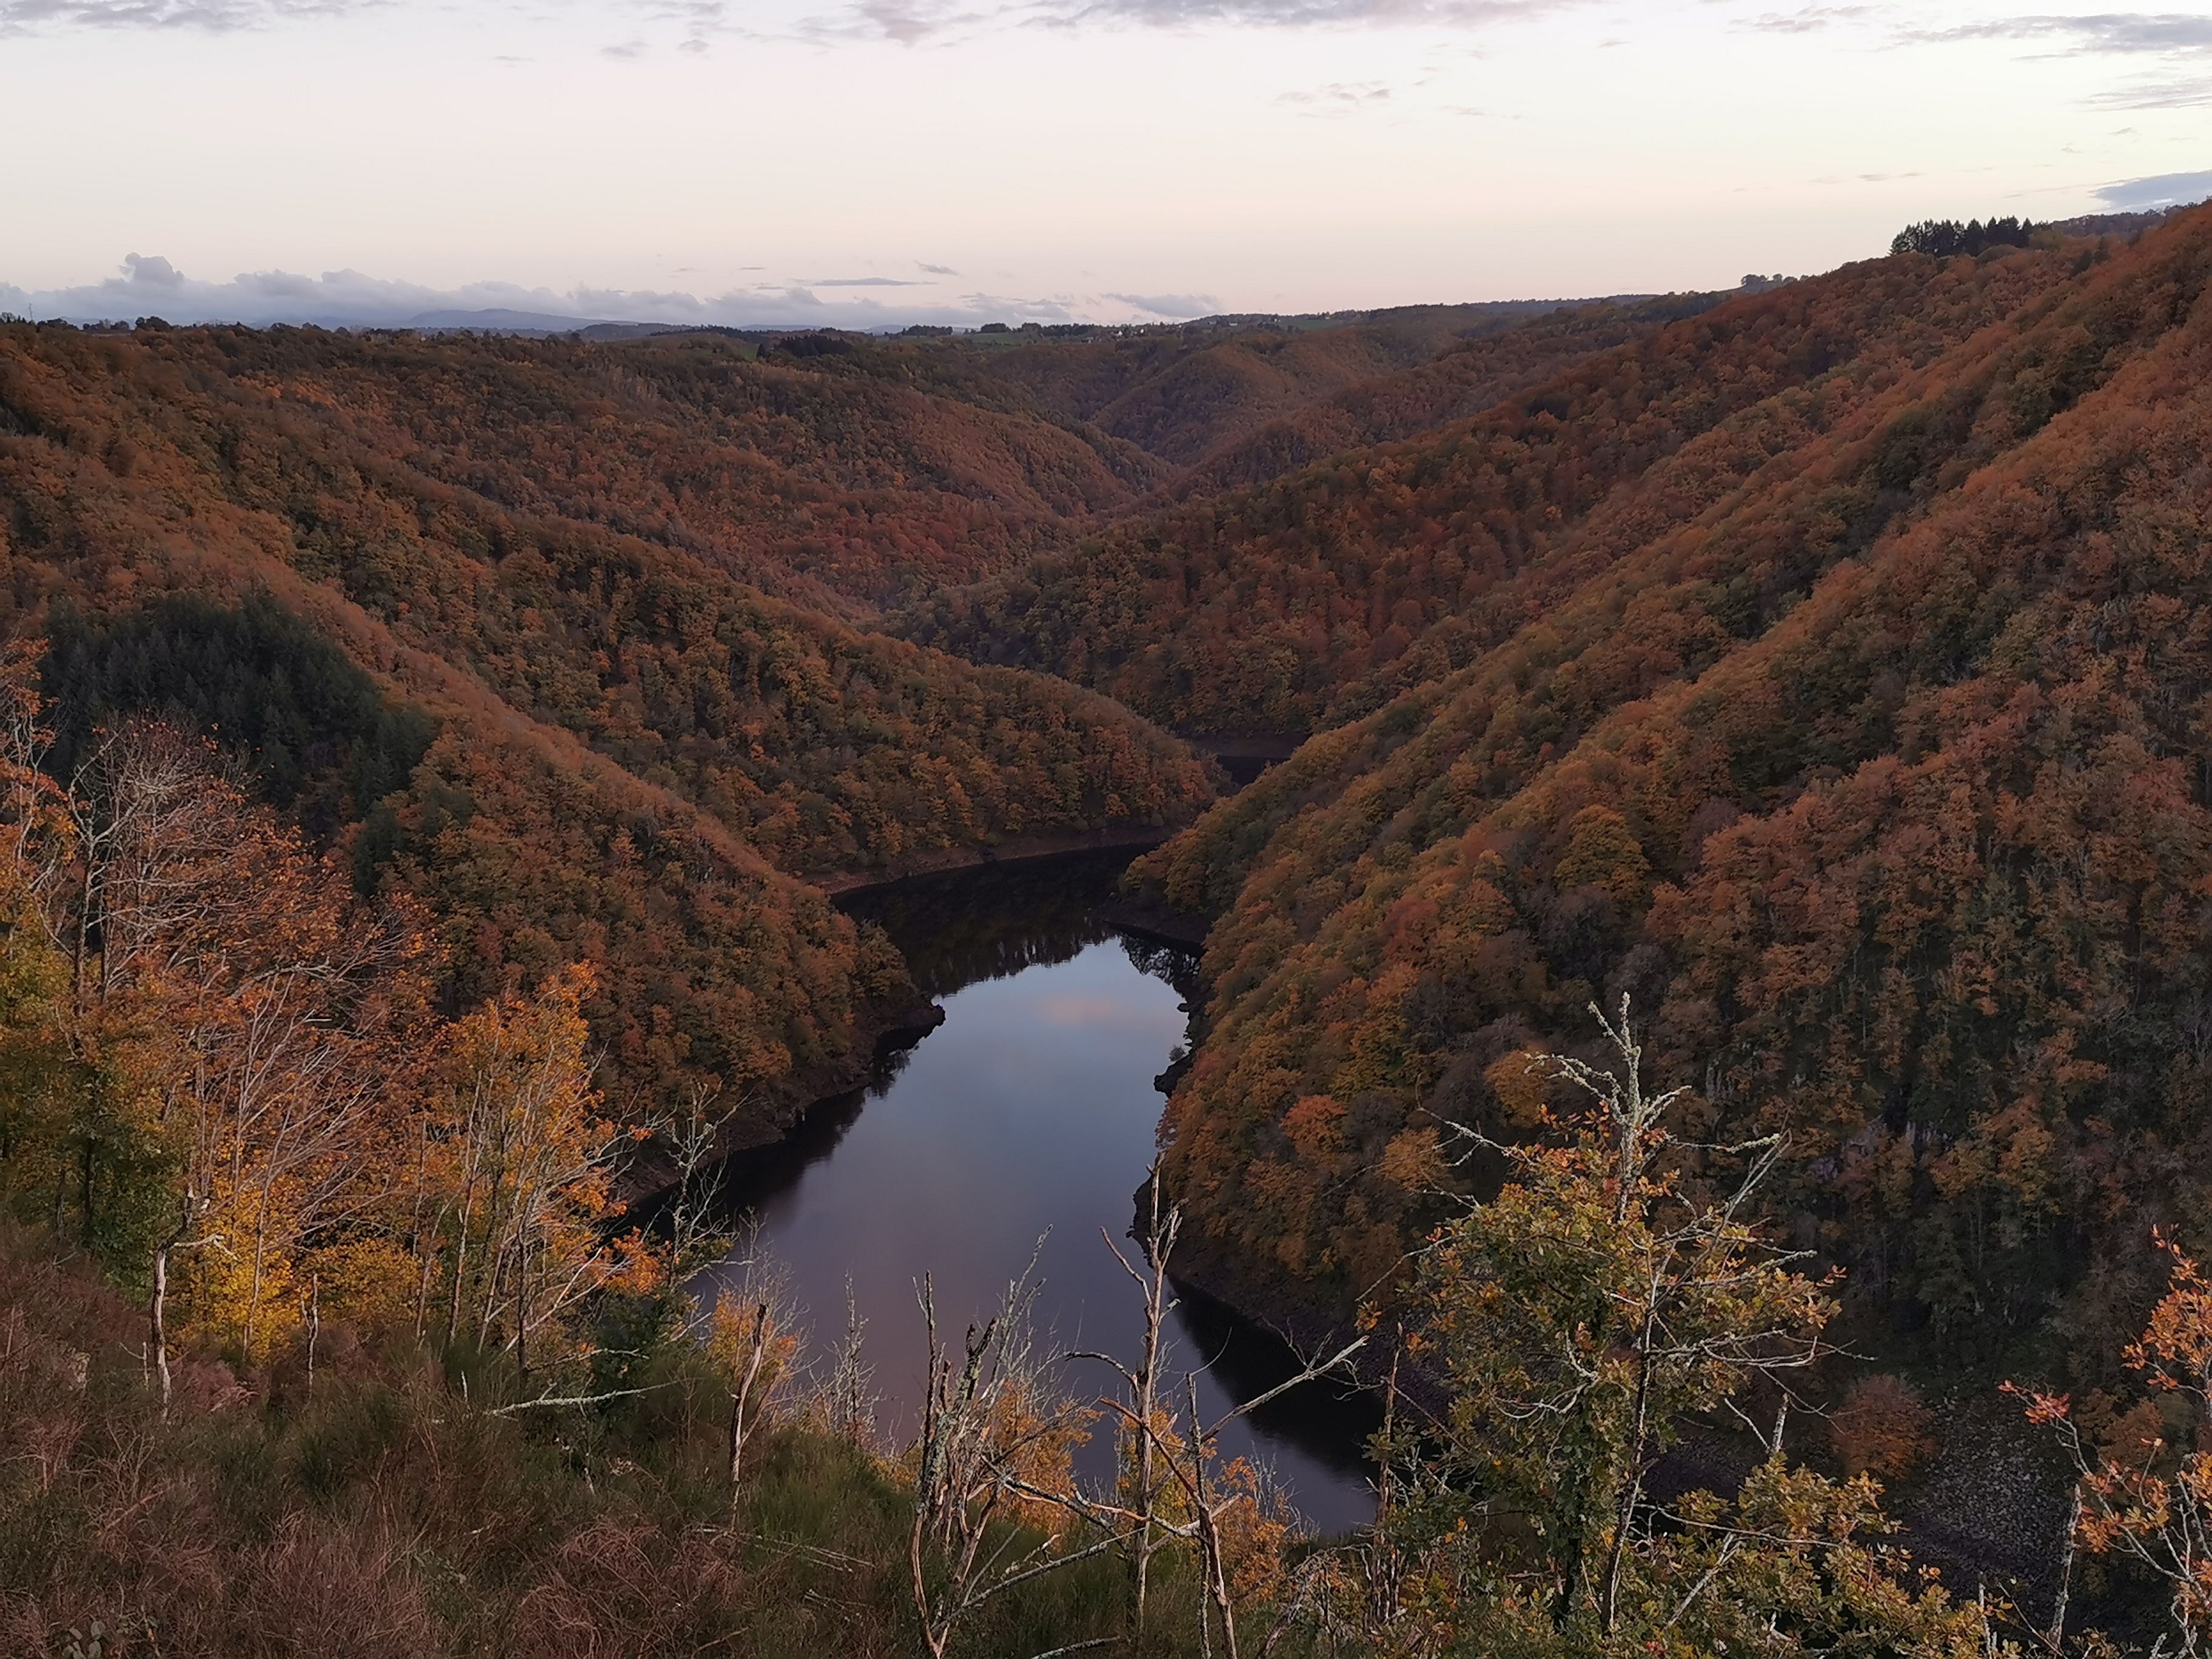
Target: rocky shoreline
770 1114
1014 850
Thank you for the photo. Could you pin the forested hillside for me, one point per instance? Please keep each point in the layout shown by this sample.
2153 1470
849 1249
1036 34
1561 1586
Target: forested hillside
1615 602
1280 608
836 470
1185 394
1466 376
562 637
1826 672
574 743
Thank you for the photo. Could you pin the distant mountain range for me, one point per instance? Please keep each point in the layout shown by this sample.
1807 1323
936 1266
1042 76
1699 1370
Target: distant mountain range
533 325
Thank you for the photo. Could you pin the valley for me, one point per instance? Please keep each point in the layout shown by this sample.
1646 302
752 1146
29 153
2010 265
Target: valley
879 757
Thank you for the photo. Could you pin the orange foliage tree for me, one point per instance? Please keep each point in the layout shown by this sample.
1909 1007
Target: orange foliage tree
230 1060
265 1014
1856 733
520 1163
1577 1322
2145 1482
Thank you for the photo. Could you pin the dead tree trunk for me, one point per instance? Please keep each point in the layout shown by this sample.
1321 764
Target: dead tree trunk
314 1326
2055 1637
157 1332
758 1350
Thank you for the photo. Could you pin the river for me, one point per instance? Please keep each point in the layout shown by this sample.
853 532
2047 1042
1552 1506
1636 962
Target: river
1030 1113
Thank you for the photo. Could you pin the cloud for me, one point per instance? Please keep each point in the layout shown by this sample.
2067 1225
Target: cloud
907 22
2130 32
637 305
2183 39
214 16
1338 98
1806 20
935 270
147 285
154 275
1300 14
2185 92
2161 191
1176 305
912 21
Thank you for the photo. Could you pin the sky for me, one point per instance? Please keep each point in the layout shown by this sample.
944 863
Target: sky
872 163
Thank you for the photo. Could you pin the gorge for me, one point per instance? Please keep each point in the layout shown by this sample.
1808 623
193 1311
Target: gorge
582 732
1028 1118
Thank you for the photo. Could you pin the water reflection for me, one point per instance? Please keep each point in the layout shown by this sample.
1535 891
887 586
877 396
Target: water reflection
973 924
1329 1422
1031 1111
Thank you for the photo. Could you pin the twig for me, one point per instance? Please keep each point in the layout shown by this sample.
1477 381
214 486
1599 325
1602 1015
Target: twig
571 1399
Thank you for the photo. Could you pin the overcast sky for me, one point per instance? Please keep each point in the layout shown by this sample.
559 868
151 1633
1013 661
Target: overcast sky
890 160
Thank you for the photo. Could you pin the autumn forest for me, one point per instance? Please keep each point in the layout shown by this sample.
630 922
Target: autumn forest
1706 1019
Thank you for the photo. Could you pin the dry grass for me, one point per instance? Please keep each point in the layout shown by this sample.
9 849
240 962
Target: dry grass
389 1516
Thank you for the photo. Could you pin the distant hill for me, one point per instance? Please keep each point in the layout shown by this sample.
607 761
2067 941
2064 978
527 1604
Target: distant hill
847 472
1183 393
526 323
535 325
2110 224
1329 586
483 597
1469 373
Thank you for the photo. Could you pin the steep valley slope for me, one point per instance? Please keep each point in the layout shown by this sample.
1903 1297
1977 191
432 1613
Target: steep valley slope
1829 674
1281 606
1818 666
569 741
567 639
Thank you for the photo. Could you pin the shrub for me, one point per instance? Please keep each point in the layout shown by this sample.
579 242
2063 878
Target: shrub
1881 1428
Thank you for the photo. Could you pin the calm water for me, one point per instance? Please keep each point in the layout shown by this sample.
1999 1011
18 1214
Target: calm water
1031 1111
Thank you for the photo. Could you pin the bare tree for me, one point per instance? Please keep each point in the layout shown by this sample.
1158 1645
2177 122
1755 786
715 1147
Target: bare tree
177 1240
694 1230
150 823
847 1399
40 830
992 1424
1167 1449
1141 1445
231 1001
995 1497
1354 1597
754 1351
526 1166
2143 1492
754 1333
